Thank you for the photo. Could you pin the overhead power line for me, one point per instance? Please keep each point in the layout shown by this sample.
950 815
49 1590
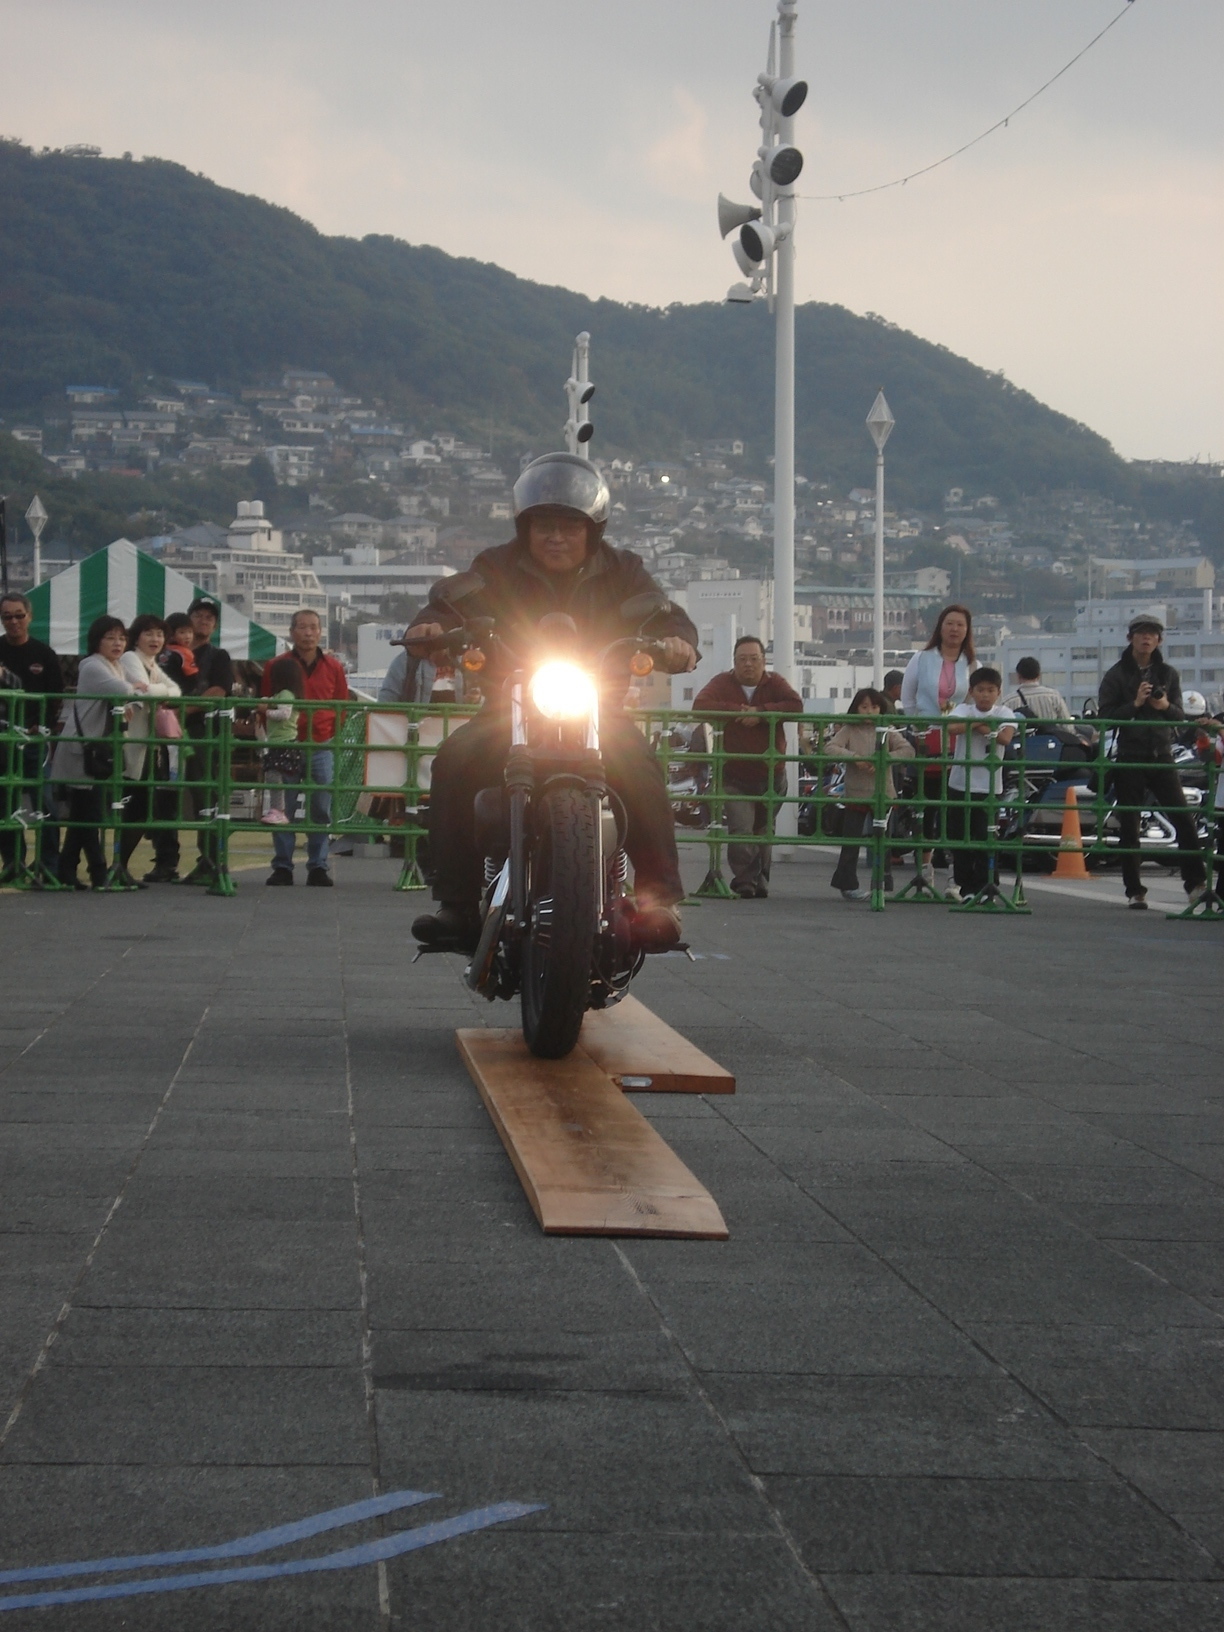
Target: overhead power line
999 124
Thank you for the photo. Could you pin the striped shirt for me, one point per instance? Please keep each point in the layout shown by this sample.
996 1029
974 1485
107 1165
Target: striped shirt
1042 702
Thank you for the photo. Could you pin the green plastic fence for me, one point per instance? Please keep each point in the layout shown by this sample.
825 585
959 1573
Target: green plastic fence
211 781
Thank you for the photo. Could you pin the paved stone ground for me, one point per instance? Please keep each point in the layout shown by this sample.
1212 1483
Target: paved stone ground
957 1369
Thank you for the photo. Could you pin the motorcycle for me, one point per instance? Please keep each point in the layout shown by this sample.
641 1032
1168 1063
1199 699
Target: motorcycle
557 918
1054 762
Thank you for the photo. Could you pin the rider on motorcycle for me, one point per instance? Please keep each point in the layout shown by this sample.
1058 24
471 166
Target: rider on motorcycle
558 562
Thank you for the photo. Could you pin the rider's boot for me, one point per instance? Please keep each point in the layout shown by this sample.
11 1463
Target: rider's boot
656 928
453 927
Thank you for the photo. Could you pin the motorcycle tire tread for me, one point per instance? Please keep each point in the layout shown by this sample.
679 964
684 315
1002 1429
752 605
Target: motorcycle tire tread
552 1016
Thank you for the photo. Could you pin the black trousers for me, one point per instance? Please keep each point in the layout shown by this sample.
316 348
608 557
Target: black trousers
474 757
82 835
855 822
967 818
149 802
1155 787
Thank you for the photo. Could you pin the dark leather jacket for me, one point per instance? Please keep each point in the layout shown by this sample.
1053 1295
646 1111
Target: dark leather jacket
1116 701
516 594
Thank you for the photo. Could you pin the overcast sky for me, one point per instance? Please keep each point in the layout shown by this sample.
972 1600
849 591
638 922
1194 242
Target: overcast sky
1079 250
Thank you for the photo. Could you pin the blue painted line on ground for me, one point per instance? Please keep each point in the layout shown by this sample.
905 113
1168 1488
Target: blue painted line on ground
370 1552
262 1541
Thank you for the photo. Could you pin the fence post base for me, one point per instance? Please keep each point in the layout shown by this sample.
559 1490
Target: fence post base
990 898
918 893
411 877
1209 908
223 883
714 886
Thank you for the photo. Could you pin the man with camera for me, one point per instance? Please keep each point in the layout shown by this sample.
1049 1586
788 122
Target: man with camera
1143 688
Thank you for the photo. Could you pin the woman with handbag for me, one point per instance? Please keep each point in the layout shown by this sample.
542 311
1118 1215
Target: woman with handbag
83 757
935 681
145 764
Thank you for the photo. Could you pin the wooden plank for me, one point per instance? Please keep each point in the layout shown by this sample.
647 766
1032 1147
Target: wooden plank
589 1161
627 1040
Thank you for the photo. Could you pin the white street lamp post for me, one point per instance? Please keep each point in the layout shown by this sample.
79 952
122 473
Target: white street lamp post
36 515
578 394
880 423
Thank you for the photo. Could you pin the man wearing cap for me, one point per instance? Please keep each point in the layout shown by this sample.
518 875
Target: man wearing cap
215 679
1143 688
893 681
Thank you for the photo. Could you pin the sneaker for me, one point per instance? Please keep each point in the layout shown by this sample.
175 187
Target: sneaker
274 818
278 875
927 873
1194 896
761 893
202 873
161 875
1138 902
855 895
453 927
745 890
320 878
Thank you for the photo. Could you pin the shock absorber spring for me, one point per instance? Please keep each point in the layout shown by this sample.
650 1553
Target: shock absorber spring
620 867
491 870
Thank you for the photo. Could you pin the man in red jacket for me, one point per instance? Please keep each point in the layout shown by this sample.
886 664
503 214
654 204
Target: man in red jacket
745 693
323 679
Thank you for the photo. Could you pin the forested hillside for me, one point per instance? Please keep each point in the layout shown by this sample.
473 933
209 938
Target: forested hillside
116 270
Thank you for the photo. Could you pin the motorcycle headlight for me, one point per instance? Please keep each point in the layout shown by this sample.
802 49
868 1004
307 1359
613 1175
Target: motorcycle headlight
562 691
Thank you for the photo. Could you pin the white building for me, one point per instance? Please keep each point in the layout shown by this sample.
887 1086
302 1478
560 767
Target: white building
1074 663
362 579
723 609
255 573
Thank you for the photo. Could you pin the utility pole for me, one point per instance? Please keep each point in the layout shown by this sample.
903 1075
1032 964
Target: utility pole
765 253
578 394
4 583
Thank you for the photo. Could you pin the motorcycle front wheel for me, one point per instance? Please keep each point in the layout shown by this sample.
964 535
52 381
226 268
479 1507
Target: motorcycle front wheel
563 903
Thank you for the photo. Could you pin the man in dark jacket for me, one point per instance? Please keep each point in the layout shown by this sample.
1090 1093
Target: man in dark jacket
746 692
558 563
1143 688
37 670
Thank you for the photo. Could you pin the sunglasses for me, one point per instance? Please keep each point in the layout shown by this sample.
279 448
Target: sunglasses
13 617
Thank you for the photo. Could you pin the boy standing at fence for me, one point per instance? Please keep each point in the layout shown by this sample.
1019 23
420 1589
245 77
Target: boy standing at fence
979 729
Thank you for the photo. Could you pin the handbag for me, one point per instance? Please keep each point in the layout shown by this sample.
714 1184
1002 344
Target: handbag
98 755
167 723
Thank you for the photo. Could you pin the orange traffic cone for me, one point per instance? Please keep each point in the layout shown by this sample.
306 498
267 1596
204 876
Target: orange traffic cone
1071 843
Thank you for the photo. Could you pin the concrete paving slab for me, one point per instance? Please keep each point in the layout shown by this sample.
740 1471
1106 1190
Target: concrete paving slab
967 1333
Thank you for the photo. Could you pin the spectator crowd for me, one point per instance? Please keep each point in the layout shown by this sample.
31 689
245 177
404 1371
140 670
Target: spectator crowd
58 750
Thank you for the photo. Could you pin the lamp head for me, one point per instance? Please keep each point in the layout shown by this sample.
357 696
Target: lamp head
785 163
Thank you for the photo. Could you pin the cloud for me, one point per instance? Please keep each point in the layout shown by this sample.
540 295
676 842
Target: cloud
584 146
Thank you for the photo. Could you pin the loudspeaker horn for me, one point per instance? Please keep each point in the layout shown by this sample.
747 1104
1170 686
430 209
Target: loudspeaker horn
732 215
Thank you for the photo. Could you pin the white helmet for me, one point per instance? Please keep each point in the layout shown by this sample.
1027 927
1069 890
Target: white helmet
566 482
1193 704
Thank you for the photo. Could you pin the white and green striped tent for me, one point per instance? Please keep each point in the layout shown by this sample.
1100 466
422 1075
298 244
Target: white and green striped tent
124 581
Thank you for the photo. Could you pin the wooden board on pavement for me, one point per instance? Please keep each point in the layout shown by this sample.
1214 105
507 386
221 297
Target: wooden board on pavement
627 1040
589 1161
